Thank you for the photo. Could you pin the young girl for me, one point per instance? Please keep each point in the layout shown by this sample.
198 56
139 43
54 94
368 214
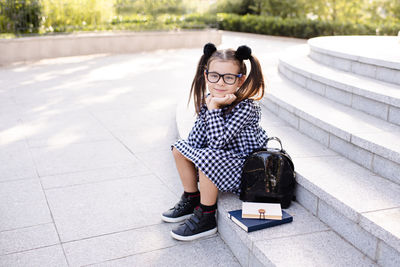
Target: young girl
226 131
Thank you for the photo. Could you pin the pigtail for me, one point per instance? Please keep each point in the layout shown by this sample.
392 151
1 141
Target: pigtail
198 89
254 85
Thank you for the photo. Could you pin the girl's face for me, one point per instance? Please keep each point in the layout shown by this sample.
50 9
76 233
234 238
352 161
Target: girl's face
222 88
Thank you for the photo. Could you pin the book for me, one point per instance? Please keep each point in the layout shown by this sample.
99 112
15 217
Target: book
250 225
256 210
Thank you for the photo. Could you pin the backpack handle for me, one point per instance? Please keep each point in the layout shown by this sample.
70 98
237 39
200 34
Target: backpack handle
274 138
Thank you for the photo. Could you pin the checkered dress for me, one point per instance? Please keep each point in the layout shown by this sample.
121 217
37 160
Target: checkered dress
219 143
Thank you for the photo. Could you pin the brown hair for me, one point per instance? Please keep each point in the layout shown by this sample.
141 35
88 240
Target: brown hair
253 87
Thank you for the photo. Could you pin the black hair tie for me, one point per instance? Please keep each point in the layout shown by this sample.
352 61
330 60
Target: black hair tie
243 52
209 49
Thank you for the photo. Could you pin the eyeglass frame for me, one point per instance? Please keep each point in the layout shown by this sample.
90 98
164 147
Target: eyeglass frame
223 77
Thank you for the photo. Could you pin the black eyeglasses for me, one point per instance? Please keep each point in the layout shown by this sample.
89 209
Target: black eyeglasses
228 78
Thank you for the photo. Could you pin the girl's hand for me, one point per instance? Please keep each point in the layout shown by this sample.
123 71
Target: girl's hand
219 102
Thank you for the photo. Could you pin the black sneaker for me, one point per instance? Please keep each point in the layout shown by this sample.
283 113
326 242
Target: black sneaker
200 224
182 210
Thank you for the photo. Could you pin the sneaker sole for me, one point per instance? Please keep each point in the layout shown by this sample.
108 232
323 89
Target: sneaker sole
194 237
173 220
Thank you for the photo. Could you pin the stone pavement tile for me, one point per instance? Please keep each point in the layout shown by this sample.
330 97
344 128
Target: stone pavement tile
102 103
28 238
51 108
11 130
9 110
157 132
107 207
206 252
174 184
132 110
119 245
315 249
63 128
49 256
157 115
160 162
149 140
32 73
22 204
92 176
6 97
101 95
16 162
139 88
72 92
39 99
52 160
117 120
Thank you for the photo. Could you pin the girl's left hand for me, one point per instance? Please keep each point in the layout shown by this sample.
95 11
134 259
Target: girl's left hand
219 102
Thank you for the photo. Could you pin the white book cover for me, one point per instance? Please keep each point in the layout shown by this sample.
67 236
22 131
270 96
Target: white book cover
256 210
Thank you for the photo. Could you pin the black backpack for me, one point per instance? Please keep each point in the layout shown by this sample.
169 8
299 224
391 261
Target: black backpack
268 176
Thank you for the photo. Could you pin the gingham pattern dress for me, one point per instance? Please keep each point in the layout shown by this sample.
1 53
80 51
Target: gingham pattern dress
219 143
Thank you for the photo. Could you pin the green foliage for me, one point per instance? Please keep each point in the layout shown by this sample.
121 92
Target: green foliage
149 7
360 11
280 8
384 11
64 15
297 18
301 28
19 16
233 6
275 8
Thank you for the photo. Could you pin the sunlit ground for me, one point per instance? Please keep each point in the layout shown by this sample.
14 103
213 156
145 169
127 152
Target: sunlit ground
85 146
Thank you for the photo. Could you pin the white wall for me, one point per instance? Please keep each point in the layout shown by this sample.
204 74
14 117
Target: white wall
35 48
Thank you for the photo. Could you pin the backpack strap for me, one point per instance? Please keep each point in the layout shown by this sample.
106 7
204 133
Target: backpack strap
275 139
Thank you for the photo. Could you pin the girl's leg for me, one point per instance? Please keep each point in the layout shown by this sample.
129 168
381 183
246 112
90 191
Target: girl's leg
186 170
209 192
203 222
190 199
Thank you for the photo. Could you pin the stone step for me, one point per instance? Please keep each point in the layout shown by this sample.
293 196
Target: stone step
360 206
377 57
296 243
304 242
376 98
364 139
357 204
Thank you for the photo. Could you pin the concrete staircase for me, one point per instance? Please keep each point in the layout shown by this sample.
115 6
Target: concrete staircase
342 132
356 193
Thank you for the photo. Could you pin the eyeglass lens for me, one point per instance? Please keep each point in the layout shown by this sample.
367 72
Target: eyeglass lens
213 77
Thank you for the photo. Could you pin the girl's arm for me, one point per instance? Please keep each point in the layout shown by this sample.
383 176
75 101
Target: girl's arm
220 132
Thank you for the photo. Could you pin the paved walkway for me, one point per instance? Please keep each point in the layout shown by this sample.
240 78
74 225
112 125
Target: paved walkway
85 164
